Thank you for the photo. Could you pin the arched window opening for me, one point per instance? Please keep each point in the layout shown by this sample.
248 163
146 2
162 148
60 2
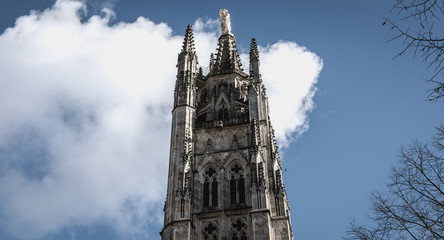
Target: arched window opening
232 190
214 193
239 229
206 193
182 208
235 237
244 235
210 189
237 185
241 189
210 231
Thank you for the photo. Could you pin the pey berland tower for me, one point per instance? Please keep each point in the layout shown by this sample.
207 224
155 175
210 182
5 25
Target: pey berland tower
225 175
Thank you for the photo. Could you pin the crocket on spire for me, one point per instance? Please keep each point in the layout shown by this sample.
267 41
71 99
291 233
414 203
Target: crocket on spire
188 42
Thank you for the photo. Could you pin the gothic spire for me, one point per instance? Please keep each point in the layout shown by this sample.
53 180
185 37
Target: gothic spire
254 53
186 72
227 59
188 41
254 62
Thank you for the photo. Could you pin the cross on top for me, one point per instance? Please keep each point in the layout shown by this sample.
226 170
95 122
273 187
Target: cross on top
236 169
210 229
238 225
210 172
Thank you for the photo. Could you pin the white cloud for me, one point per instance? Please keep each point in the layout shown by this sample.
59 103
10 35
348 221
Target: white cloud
96 95
85 116
206 33
290 73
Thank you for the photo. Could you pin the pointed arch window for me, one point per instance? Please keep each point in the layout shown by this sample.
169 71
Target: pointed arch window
210 188
237 185
210 231
239 229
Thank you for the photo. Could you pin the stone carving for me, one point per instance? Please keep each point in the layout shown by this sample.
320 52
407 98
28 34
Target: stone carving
281 231
242 84
259 222
235 142
181 233
187 167
221 140
225 21
209 158
209 144
223 103
168 234
239 228
210 230
260 228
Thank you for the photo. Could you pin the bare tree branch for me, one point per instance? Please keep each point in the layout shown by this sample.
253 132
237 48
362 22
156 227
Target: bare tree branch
419 25
413 207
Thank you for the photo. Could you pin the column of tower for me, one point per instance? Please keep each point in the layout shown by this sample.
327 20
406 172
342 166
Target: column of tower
179 191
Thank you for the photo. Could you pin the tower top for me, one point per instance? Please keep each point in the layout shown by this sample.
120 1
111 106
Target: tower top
254 52
227 59
188 41
225 22
225 174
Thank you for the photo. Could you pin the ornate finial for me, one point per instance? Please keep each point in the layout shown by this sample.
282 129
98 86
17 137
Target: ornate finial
225 21
211 62
253 49
254 63
188 41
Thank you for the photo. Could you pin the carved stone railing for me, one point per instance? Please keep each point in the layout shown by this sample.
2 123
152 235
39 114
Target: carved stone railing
220 123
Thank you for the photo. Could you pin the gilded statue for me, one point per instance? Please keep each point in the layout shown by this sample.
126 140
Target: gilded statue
225 21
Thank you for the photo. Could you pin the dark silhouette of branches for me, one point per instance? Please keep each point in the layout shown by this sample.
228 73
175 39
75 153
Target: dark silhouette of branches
413 208
419 26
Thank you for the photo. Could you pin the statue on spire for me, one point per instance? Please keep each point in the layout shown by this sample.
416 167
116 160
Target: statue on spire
225 21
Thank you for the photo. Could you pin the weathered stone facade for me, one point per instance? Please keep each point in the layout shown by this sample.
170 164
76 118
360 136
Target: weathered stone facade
225 175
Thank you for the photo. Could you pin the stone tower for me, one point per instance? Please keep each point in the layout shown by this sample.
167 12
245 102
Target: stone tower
225 175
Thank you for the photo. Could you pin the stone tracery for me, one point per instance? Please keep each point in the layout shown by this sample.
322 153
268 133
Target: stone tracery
210 188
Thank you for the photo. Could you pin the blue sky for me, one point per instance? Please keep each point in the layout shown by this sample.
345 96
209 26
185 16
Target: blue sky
366 107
